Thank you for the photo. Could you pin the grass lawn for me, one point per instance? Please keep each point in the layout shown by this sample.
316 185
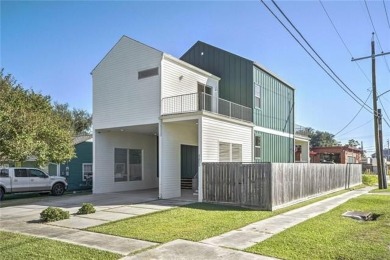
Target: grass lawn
193 222
370 179
17 246
380 191
331 236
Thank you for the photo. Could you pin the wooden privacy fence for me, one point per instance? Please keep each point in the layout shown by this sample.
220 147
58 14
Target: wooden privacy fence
271 185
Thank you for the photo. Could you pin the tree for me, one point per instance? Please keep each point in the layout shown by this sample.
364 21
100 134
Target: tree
353 143
30 127
79 119
322 139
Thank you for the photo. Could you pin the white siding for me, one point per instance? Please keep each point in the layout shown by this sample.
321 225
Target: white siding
104 145
119 97
178 80
173 136
215 131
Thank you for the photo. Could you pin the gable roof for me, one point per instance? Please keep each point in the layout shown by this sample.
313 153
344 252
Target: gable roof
124 37
81 139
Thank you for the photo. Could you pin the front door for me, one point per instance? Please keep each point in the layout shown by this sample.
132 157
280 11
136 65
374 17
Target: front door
38 180
189 161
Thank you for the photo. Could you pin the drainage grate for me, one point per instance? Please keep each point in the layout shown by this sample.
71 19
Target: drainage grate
360 215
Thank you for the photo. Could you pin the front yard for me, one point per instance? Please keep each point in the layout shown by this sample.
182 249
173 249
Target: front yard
331 236
193 222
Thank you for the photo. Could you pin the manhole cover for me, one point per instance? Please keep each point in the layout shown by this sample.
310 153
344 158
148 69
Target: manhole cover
360 215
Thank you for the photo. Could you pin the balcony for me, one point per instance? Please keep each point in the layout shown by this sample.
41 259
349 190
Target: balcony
193 102
302 131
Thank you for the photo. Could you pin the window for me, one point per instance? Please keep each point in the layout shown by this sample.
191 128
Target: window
147 73
87 171
257 147
351 159
135 164
4 173
36 173
257 96
21 173
229 152
128 165
224 152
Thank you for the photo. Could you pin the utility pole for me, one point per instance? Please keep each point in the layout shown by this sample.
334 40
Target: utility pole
384 177
379 158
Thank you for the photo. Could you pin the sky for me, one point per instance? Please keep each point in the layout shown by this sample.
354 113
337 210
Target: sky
52 46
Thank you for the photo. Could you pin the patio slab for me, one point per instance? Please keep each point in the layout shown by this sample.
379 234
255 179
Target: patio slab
78 222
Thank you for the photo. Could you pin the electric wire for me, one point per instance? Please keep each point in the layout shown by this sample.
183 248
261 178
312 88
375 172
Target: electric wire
383 108
342 40
376 34
357 127
387 16
353 117
300 34
356 99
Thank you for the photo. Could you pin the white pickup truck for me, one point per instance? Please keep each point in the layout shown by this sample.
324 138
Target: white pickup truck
21 179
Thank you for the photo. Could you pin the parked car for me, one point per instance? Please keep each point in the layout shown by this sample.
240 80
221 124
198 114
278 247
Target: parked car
21 179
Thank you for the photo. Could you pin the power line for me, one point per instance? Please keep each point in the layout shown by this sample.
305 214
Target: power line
384 110
377 37
342 40
387 16
358 127
351 93
353 117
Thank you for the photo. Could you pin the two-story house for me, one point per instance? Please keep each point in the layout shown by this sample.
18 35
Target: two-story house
156 118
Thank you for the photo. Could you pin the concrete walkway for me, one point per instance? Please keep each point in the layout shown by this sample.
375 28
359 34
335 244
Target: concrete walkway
257 232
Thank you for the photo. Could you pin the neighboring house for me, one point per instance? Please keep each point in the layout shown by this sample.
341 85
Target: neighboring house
79 169
157 118
76 170
302 144
336 154
249 84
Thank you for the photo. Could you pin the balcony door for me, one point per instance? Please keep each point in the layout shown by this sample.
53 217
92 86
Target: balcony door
205 97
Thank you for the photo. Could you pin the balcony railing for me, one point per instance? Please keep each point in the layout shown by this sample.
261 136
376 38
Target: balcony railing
202 101
301 130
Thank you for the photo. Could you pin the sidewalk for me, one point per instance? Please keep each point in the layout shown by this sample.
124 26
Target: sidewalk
257 232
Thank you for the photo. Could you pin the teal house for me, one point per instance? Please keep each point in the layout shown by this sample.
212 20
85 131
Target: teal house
249 84
78 171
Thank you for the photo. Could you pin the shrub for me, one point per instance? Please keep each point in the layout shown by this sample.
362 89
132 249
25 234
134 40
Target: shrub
87 208
53 214
370 179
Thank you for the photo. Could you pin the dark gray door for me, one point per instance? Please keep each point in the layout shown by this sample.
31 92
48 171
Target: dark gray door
189 161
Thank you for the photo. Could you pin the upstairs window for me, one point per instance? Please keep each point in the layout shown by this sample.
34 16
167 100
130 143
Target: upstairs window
147 73
257 96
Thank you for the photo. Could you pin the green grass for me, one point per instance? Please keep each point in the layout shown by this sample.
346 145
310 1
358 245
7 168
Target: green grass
331 236
370 179
193 222
16 246
380 191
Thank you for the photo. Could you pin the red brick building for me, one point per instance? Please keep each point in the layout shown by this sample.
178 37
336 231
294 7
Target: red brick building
336 154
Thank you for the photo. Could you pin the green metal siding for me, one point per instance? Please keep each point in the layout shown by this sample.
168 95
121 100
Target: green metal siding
277 103
275 148
75 178
236 73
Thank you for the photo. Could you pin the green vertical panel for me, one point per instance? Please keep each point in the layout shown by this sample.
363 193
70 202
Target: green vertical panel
275 111
84 155
275 148
189 161
236 73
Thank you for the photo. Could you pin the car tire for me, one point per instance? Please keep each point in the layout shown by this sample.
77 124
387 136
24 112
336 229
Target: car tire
58 189
1 193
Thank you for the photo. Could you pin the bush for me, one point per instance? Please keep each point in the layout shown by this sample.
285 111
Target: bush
87 208
53 214
370 179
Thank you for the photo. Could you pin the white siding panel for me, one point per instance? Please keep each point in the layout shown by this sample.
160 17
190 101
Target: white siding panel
104 145
119 97
215 131
178 80
173 136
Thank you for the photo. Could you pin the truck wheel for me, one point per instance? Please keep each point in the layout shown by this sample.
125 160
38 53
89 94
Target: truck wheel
1 193
58 189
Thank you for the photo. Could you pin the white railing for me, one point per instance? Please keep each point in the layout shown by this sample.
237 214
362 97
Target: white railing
201 101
